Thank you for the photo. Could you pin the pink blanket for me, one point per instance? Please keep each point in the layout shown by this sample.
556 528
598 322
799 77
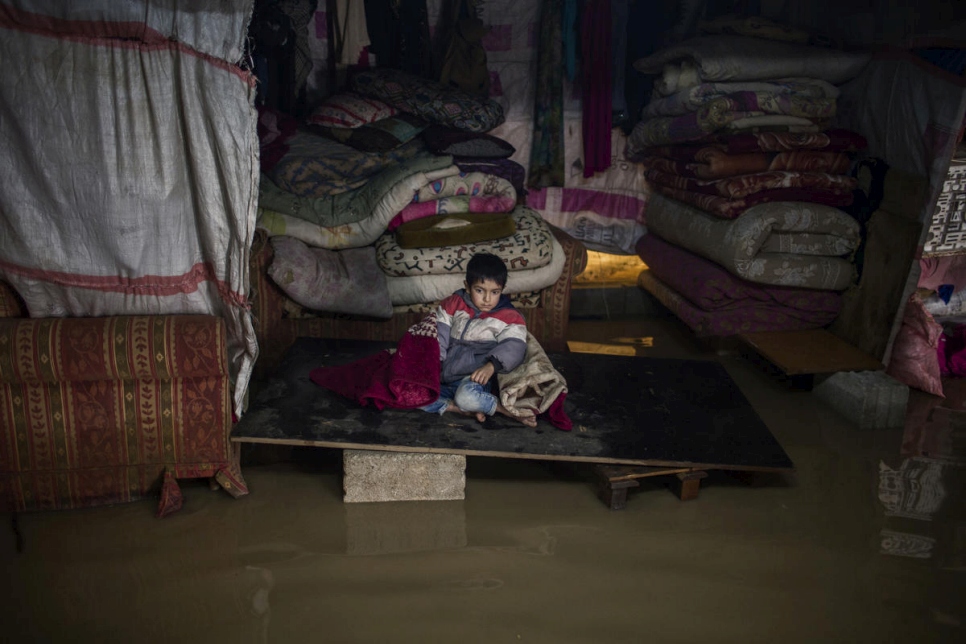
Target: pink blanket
451 205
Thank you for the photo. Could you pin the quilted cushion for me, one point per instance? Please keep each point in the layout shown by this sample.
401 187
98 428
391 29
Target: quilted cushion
455 229
346 281
349 110
531 246
446 140
428 99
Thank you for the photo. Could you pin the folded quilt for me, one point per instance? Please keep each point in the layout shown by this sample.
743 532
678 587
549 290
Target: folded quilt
530 247
728 208
692 98
712 162
535 387
316 166
352 206
765 244
753 316
387 200
711 288
451 206
463 192
749 184
433 288
742 58
725 110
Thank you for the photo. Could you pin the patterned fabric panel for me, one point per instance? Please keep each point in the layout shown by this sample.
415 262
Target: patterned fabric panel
51 350
75 444
429 100
530 247
11 306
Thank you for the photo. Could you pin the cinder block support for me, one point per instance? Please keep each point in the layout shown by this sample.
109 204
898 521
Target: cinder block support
371 475
870 399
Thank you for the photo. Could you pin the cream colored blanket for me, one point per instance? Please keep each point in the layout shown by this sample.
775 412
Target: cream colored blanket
532 387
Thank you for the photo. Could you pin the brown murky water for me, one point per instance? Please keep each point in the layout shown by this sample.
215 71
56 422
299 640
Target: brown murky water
865 543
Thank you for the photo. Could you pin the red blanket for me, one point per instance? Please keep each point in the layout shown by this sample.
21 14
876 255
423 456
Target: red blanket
406 378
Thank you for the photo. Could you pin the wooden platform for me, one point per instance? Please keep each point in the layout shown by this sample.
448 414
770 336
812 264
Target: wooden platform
647 412
805 354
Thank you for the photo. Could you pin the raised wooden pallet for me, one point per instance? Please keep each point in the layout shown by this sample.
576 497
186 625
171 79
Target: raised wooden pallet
677 415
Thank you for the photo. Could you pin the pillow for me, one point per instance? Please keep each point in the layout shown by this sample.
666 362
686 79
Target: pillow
344 281
915 359
349 111
382 136
446 140
428 99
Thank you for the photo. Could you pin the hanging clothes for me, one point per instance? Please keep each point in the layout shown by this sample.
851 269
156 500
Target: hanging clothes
547 149
464 63
596 68
350 32
399 31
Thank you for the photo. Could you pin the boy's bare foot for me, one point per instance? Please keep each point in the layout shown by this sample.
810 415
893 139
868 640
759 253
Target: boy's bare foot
529 421
480 416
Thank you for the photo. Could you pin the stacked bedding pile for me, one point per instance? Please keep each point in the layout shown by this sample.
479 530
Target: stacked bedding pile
749 179
376 202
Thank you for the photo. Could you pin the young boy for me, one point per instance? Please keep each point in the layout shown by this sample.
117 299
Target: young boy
480 334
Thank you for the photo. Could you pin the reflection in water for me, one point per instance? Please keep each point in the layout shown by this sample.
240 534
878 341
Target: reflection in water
922 499
914 491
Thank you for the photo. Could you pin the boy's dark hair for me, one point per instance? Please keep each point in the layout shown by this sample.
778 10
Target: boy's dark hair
485 266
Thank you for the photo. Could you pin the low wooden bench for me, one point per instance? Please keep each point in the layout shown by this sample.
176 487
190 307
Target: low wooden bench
803 355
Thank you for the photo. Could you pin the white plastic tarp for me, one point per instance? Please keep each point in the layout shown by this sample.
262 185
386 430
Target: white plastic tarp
128 174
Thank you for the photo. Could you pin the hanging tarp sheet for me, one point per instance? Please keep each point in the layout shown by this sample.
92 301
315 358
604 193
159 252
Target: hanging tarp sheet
128 167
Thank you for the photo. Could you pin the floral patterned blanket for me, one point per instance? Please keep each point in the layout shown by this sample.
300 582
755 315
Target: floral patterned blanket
784 243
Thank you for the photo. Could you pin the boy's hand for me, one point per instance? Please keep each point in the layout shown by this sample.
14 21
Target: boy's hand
482 375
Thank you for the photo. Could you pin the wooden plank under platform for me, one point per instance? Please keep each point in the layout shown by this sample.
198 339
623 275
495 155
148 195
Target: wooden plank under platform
811 352
679 414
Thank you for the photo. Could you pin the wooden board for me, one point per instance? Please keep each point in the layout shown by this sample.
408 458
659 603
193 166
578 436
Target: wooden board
625 410
815 351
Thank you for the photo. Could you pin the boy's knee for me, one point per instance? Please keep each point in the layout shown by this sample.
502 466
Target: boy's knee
474 399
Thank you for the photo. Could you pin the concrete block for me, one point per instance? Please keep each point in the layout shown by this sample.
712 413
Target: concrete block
385 528
370 475
870 399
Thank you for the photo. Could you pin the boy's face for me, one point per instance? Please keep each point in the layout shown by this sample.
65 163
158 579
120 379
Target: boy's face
484 294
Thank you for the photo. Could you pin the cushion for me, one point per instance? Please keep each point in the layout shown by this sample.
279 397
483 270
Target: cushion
347 110
455 229
446 140
382 136
430 100
347 281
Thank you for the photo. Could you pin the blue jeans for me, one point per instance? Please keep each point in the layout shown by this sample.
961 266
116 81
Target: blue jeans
468 396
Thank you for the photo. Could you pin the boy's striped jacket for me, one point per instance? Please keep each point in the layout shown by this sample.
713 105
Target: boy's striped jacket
469 338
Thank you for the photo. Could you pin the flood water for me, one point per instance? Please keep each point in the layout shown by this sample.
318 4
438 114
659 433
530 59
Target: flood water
865 542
